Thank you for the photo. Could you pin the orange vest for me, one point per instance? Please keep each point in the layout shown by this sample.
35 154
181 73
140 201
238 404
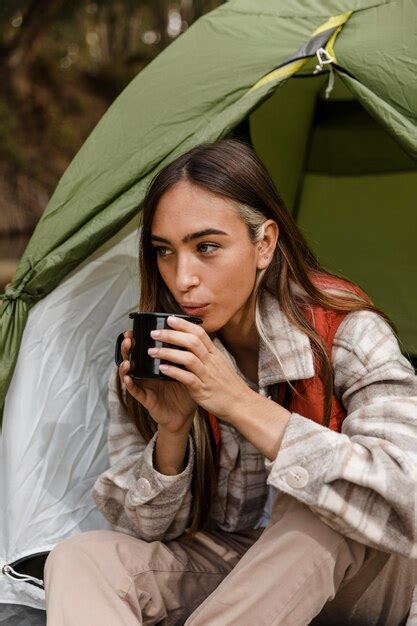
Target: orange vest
310 402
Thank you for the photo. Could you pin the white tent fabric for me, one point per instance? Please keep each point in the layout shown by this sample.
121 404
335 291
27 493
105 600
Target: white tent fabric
53 443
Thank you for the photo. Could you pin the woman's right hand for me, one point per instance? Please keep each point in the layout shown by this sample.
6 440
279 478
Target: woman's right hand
168 403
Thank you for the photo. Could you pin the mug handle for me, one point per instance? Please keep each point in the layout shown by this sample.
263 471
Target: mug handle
118 350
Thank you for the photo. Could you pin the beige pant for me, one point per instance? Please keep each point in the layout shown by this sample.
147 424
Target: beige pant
296 572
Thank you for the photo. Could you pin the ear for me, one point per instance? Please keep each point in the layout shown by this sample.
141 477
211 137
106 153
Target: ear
265 248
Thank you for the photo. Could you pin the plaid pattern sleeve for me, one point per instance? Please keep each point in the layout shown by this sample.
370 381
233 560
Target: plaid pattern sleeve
133 496
362 481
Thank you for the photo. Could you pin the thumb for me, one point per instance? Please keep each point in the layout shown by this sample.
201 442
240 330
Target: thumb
139 394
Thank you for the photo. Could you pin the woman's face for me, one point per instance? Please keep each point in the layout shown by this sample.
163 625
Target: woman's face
202 268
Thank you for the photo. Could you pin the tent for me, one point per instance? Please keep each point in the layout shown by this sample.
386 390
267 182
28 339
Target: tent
326 92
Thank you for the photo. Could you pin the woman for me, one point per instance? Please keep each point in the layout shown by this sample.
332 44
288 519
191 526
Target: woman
295 397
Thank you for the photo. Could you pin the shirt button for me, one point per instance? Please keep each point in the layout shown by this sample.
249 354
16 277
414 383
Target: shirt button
297 477
144 487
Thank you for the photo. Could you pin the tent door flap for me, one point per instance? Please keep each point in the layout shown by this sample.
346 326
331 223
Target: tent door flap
28 569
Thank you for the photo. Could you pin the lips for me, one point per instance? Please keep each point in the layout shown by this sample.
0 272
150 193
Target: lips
195 309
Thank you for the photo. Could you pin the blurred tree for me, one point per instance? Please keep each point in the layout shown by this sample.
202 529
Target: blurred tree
61 65
29 25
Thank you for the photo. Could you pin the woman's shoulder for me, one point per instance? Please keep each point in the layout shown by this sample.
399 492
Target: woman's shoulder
363 332
338 286
364 341
366 329
360 342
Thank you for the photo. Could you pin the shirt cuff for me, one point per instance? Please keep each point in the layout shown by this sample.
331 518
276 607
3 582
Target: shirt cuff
303 460
147 483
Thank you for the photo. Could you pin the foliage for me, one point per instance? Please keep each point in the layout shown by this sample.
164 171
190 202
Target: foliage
62 64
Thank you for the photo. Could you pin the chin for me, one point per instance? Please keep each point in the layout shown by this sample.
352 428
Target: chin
212 327
208 327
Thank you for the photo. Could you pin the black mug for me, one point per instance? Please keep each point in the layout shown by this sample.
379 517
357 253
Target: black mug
143 366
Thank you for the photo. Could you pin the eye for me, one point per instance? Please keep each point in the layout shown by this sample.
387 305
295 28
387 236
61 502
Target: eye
207 245
161 251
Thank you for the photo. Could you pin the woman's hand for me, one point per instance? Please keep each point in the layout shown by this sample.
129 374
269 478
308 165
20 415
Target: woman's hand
169 403
210 380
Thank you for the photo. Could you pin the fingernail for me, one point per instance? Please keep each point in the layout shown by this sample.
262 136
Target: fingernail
153 351
126 379
155 333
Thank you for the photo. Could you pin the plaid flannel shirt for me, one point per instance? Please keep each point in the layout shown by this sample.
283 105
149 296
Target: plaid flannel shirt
361 481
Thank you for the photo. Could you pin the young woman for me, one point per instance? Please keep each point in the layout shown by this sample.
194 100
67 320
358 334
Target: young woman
273 481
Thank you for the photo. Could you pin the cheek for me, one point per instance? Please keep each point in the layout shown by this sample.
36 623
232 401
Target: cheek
241 286
240 272
235 283
164 272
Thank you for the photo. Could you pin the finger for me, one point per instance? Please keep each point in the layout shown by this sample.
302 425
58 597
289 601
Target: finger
182 376
188 359
134 390
187 340
125 348
124 368
180 323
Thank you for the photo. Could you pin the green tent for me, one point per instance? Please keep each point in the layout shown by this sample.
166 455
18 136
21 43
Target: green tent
326 92
346 165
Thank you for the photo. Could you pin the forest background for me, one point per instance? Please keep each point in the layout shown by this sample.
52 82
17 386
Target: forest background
62 64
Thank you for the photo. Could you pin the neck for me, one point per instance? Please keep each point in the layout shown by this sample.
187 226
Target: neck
240 336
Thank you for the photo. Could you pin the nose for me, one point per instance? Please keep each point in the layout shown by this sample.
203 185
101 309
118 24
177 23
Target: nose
186 275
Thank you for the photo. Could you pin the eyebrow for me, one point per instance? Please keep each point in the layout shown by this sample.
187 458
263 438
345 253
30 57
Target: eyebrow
191 236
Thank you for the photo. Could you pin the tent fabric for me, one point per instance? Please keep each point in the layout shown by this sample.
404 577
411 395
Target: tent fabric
20 615
351 188
353 143
368 237
183 99
53 444
77 280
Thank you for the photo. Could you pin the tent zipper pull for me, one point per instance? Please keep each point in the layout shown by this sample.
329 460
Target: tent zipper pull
13 575
324 58
330 84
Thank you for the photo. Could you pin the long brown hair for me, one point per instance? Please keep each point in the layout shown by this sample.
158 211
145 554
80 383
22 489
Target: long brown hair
231 168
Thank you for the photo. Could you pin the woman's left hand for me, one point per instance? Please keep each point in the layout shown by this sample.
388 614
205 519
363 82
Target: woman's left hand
210 379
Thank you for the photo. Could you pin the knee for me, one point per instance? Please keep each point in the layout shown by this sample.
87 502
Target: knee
73 549
296 524
95 549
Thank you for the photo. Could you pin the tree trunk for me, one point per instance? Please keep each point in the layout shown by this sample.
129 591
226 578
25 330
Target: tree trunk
37 19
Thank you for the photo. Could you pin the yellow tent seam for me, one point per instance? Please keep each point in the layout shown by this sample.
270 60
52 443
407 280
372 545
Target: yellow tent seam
280 73
332 22
330 43
293 67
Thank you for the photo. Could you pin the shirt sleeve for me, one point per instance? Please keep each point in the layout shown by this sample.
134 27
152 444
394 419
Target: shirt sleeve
133 496
362 481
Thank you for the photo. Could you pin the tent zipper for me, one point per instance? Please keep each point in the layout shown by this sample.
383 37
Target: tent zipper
9 571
